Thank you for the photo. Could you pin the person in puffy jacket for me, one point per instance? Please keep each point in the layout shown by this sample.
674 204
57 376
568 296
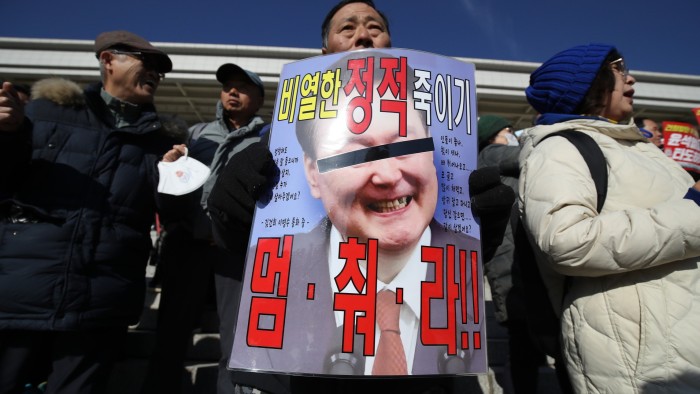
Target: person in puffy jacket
193 263
630 298
77 200
349 25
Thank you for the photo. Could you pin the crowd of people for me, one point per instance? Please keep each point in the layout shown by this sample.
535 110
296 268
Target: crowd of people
79 194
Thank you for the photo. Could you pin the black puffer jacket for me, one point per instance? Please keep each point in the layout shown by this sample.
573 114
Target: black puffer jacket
75 221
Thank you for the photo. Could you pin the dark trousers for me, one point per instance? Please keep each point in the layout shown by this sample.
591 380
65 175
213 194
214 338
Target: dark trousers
525 357
76 362
189 266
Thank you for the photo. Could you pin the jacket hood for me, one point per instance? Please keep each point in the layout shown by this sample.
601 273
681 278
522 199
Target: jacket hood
221 116
532 136
68 93
219 111
60 91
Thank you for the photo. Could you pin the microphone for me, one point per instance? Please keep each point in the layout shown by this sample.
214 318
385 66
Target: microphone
339 363
451 364
344 364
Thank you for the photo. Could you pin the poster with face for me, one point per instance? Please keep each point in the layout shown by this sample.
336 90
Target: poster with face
365 259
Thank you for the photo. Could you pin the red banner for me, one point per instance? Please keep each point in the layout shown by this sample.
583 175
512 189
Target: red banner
681 143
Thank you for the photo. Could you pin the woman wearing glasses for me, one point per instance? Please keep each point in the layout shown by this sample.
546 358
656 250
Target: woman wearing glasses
630 302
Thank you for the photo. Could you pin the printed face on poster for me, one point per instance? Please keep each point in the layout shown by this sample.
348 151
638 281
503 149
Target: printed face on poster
374 149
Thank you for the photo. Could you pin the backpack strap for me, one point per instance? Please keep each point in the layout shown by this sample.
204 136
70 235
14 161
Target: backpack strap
593 155
597 166
544 326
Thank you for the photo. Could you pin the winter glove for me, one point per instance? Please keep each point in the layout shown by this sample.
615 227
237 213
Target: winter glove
491 203
247 177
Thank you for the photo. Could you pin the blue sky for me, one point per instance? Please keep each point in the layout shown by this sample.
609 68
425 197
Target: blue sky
659 36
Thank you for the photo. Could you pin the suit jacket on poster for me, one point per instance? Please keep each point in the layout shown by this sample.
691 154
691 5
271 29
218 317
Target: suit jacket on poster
311 338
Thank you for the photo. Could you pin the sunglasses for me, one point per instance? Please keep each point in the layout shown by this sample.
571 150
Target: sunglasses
149 62
619 66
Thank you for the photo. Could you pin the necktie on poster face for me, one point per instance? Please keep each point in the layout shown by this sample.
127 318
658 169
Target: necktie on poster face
390 358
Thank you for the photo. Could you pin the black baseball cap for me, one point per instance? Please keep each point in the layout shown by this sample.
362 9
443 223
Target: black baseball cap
231 71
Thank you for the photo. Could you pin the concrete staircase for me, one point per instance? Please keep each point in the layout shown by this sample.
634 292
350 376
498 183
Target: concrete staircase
200 371
199 374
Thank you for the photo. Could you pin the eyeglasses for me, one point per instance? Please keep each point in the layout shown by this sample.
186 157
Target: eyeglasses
619 66
148 61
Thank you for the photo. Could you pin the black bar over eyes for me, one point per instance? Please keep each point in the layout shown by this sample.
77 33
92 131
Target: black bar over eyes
373 153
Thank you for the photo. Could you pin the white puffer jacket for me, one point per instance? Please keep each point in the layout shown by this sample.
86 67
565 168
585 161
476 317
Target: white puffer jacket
631 316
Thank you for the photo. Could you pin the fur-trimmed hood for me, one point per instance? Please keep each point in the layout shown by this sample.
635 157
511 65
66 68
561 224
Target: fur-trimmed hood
68 93
60 91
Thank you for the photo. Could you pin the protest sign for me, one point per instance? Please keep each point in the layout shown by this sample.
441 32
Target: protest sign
682 145
374 149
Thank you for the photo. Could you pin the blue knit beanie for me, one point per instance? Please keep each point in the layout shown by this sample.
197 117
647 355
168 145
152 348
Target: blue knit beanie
560 84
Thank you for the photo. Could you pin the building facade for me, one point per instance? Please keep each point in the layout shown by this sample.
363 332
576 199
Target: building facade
191 90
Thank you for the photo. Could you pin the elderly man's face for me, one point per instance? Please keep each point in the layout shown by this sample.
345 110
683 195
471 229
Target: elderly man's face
393 199
356 26
132 78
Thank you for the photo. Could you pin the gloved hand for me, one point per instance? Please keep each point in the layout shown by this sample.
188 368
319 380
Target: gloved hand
491 203
249 175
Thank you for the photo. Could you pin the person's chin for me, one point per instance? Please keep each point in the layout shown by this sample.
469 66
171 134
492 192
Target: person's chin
400 236
627 113
146 96
629 108
395 245
148 90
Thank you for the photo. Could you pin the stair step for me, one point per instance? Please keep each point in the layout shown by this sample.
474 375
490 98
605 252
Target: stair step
203 378
205 347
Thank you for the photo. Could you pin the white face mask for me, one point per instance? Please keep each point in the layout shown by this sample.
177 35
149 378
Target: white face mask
512 140
181 176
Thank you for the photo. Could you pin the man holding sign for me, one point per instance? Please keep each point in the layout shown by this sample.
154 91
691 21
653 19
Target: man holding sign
349 25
